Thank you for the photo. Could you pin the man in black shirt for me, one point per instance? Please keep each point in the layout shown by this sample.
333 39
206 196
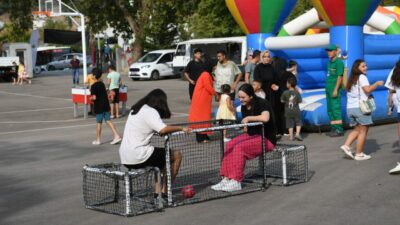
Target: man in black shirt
193 70
102 108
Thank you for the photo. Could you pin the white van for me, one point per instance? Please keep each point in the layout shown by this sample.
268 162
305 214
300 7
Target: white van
153 65
235 47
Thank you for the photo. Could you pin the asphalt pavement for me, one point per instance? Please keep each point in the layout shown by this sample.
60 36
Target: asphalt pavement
43 150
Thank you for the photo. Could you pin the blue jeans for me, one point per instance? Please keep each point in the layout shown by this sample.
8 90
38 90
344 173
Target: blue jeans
357 117
75 76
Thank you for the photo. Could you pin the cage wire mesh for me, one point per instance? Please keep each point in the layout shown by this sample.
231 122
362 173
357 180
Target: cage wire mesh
287 164
201 163
113 189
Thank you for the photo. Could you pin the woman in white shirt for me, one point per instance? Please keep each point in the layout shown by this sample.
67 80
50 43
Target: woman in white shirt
358 88
393 84
143 122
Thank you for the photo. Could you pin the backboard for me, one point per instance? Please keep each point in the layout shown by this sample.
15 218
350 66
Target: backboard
54 8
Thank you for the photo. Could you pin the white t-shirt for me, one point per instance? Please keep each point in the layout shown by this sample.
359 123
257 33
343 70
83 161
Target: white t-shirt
353 97
396 96
135 147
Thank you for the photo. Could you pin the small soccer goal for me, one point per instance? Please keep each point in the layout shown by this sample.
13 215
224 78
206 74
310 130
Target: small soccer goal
113 189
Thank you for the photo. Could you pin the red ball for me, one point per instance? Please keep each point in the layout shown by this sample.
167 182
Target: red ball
188 191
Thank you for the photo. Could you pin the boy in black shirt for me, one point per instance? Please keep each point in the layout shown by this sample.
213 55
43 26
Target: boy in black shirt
102 108
193 70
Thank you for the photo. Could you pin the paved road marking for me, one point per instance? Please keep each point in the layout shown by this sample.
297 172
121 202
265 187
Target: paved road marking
53 128
42 121
34 96
175 115
36 110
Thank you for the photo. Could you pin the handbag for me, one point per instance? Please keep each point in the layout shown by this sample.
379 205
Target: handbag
366 106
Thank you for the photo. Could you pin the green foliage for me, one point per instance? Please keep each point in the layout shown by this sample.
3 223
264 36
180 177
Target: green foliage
12 33
20 15
301 7
390 3
55 24
213 19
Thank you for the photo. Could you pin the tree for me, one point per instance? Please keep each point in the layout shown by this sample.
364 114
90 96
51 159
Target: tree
301 7
390 3
151 22
213 19
19 13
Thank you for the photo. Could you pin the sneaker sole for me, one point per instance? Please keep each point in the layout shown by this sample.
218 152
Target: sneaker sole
349 155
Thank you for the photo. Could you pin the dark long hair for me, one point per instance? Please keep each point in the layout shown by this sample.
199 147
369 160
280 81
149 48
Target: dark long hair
354 74
248 89
156 99
395 80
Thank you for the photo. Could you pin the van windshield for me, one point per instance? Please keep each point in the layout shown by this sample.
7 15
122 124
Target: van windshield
149 57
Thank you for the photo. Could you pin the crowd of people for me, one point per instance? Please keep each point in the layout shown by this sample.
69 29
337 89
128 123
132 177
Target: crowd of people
270 94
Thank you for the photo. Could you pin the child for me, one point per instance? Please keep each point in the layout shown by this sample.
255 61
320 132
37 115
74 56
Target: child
226 110
102 108
292 98
257 88
293 69
22 75
90 80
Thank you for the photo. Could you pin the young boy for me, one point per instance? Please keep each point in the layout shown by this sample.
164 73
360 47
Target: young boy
102 108
257 88
292 98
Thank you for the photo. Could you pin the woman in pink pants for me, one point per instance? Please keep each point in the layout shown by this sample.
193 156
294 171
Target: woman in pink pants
247 146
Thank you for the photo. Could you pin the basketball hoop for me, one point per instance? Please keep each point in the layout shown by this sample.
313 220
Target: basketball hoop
42 13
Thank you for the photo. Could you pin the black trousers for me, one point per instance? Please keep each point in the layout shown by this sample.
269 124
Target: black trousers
191 89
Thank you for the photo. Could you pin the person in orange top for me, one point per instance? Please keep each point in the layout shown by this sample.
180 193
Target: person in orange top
200 109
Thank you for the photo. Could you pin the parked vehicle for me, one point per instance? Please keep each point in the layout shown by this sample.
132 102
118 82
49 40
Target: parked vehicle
235 48
153 65
64 61
15 52
7 69
47 54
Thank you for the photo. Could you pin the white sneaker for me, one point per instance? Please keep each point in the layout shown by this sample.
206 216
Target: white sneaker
95 142
218 187
227 139
362 156
231 186
116 141
396 169
347 151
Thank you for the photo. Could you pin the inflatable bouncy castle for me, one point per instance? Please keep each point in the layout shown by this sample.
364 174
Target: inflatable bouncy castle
360 28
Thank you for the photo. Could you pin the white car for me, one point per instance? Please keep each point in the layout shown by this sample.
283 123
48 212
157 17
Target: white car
153 65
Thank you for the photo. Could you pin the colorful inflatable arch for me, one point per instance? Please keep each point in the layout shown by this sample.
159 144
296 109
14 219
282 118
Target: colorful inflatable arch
345 22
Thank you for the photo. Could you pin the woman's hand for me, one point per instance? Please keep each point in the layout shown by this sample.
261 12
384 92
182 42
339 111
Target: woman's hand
379 83
245 120
274 87
186 129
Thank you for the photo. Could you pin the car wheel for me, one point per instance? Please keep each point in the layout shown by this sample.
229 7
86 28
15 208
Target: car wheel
37 70
155 75
50 68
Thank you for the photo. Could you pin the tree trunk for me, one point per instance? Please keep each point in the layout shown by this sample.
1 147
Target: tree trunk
137 49
137 25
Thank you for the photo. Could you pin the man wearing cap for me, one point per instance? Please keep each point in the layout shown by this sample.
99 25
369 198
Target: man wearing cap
251 65
193 70
334 91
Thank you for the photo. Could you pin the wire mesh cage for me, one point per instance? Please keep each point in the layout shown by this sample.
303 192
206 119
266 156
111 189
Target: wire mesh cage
111 188
287 164
202 159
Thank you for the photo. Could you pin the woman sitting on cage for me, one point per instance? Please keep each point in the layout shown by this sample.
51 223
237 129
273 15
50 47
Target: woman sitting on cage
144 120
247 146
